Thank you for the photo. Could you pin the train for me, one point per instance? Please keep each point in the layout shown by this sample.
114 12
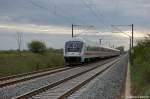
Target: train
79 50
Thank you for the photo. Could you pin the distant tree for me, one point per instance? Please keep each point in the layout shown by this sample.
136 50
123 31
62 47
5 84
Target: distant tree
37 47
121 48
19 41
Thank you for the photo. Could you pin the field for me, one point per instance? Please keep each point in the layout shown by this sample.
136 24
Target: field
140 69
12 62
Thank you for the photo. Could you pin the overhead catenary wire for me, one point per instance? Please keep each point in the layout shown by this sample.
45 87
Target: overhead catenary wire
69 20
94 13
121 31
99 13
85 30
55 12
62 10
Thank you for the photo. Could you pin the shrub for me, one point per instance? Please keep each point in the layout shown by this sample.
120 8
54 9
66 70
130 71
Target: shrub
37 47
140 69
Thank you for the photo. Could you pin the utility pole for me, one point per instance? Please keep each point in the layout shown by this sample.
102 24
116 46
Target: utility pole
132 50
19 41
109 44
113 46
132 35
130 44
100 41
72 30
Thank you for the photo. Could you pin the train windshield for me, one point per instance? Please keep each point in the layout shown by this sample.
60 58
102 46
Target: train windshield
73 46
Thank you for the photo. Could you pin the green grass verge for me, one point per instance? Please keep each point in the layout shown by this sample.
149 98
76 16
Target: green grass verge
12 63
140 69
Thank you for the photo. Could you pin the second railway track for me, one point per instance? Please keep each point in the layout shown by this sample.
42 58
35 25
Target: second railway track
6 81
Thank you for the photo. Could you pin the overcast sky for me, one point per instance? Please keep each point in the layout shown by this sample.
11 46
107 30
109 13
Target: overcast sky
51 15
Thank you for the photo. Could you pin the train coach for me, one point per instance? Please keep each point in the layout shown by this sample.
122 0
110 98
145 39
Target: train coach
78 50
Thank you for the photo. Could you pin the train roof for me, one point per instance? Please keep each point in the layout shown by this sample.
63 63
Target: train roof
90 43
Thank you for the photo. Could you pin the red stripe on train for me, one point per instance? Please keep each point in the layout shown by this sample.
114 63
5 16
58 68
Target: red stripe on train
91 53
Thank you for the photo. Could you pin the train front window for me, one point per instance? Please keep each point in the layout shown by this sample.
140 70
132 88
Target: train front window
73 46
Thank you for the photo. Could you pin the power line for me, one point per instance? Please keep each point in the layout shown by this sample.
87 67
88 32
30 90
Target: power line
67 18
121 31
86 30
47 9
99 12
55 7
95 14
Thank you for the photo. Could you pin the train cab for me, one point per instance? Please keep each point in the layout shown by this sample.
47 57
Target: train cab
73 51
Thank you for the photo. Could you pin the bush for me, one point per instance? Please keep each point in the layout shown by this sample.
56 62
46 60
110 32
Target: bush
140 69
37 47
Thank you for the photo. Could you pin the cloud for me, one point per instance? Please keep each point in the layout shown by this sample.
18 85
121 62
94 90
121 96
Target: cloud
63 13
33 28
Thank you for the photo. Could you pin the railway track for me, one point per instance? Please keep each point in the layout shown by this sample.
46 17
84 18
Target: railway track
24 74
10 80
66 86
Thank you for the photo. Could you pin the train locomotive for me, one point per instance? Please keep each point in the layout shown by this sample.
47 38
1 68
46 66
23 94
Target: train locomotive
78 50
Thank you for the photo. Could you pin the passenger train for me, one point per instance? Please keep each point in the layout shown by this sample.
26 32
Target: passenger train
80 50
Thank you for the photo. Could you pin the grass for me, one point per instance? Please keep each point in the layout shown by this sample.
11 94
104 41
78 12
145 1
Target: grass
12 63
140 68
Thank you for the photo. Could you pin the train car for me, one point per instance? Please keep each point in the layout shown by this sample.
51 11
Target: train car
79 50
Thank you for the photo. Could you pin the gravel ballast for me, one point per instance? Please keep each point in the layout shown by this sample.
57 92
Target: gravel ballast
105 86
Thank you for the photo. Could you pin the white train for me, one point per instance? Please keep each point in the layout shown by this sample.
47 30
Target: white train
79 50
